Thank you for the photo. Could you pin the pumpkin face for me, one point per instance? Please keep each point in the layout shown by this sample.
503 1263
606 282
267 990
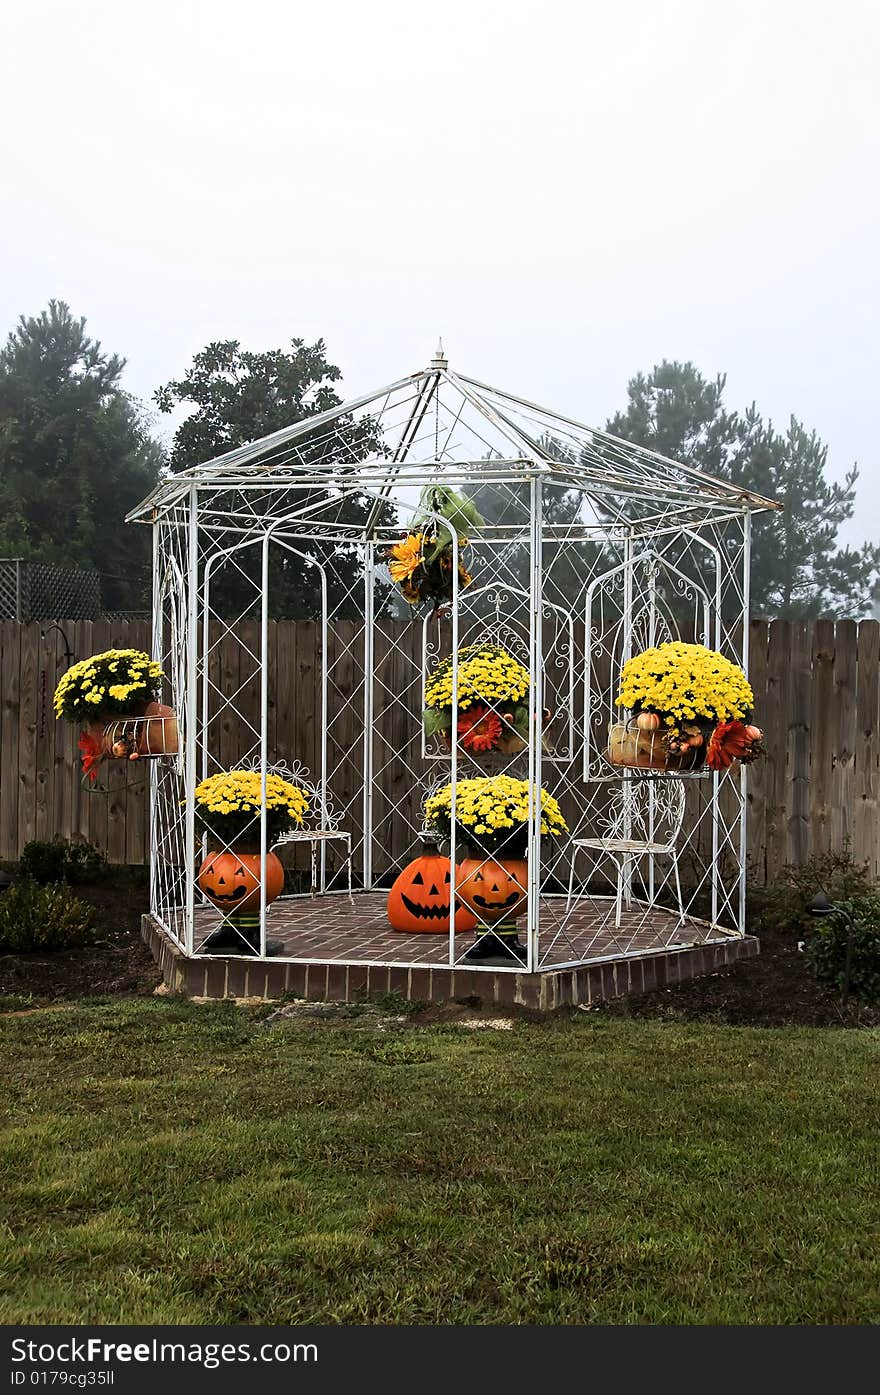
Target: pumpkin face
419 899
494 890
232 880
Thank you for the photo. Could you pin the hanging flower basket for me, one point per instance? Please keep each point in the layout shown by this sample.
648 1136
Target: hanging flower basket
493 701
116 695
422 563
690 707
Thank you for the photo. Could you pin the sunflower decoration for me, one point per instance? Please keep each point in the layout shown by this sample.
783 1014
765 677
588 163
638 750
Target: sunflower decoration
421 564
405 559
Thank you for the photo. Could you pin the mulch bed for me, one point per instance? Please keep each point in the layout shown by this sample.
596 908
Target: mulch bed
119 964
774 990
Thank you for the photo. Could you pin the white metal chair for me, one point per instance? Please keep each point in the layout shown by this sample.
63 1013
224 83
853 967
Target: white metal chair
321 823
643 819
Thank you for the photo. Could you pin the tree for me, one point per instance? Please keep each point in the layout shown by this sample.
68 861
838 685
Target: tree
75 456
237 396
798 568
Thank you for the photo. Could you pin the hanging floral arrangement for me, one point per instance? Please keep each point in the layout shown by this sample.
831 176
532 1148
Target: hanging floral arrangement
493 706
422 563
116 695
117 683
690 705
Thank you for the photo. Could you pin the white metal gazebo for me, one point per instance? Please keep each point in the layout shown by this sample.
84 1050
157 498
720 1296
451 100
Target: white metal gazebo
590 550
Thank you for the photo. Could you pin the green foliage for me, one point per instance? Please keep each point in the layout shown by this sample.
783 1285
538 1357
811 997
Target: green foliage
61 860
166 1162
785 903
852 928
236 397
461 515
34 917
75 456
434 720
398 1005
798 569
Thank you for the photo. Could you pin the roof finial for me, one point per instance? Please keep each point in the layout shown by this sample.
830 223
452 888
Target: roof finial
439 360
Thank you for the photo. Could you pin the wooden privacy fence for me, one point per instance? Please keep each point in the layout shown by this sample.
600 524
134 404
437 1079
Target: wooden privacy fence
817 697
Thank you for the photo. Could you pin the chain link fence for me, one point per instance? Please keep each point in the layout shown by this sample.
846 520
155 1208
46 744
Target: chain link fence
39 591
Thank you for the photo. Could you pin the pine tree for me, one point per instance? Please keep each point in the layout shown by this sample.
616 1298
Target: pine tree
798 568
75 456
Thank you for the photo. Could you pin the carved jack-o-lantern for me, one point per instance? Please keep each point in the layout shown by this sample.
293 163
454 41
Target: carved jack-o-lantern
494 890
232 880
419 899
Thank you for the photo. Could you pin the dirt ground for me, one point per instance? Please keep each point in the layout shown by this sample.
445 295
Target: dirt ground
119 963
775 989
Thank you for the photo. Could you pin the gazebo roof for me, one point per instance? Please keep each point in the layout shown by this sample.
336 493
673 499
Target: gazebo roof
437 423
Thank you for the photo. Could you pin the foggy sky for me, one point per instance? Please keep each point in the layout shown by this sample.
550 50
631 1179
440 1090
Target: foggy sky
566 192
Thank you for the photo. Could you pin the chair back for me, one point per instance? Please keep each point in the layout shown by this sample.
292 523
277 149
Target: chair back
645 808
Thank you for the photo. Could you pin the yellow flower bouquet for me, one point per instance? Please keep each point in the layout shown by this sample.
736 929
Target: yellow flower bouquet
228 804
691 703
493 689
491 813
119 683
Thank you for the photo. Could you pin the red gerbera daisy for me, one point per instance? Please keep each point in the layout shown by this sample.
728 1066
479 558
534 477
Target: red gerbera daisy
479 728
92 751
729 742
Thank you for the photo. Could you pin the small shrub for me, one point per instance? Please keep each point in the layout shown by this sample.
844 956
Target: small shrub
61 861
397 1005
827 945
785 903
36 917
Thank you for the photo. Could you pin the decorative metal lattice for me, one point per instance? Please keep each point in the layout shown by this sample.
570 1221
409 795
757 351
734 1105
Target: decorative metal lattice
591 548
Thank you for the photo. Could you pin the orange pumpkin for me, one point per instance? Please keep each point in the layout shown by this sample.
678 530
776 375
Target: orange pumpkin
159 736
418 902
647 721
494 889
232 880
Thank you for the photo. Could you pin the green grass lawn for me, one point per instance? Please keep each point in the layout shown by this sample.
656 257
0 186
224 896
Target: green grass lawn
170 1163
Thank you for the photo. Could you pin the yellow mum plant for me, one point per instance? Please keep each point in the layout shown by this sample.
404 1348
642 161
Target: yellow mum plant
685 683
491 811
228 805
493 690
119 682
486 673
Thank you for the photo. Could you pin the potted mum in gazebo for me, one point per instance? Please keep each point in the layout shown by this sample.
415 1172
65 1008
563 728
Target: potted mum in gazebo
227 812
493 701
116 695
690 706
492 821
